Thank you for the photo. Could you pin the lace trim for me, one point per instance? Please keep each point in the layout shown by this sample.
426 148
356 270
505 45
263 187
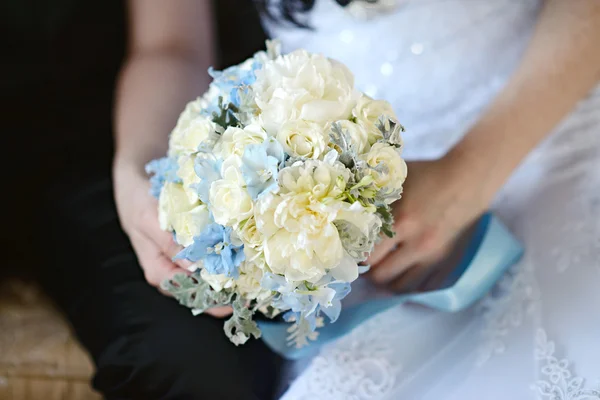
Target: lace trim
583 224
356 367
559 383
515 297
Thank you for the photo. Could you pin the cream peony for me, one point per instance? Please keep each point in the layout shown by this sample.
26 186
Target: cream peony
300 85
302 138
229 199
394 170
234 140
367 112
190 133
177 213
302 242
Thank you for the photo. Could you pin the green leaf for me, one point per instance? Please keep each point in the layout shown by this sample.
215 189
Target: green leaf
227 115
240 327
387 220
193 292
391 130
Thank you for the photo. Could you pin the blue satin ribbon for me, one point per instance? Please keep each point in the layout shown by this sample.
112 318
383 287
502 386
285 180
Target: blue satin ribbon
490 252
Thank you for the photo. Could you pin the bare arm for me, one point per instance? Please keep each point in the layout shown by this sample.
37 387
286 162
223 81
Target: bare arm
170 49
561 65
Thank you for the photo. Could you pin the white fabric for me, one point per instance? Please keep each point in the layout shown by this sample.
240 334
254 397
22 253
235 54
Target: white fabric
538 334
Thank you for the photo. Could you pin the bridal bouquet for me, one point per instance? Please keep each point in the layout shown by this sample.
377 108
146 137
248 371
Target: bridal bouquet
277 184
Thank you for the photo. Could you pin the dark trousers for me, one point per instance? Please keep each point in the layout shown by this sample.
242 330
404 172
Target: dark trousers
145 345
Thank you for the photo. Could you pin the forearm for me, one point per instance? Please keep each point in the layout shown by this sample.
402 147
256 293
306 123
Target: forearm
170 50
561 65
152 92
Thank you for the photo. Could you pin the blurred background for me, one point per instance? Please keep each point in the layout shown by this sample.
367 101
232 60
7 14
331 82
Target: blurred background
40 358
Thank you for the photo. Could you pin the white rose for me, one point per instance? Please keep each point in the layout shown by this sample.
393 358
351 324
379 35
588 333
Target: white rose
302 138
395 169
177 213
188 176
319 179
189 134
217 281
188 225
234 140
249 233
302 243
172 201
367 112
248 283
300 85
359 136
229 199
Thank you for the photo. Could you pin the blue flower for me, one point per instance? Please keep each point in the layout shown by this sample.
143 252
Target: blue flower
162 170
341 290
260 165
273 282
311 319
208 170
213 246
234 79
309 300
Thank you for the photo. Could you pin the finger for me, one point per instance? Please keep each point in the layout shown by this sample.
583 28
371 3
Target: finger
411 279
159 269
432 263
434 281
445 265
395 264
156 266
164 240
220 312
382 249
167 276
404 229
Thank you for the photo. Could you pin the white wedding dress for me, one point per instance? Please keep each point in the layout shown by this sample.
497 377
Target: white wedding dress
538 333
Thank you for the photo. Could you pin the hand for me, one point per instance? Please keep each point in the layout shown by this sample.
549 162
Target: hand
155 248
138 212
441 199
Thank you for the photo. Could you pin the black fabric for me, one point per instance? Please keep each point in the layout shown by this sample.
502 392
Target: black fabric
145 345
239 31
59 65
57 77
60 59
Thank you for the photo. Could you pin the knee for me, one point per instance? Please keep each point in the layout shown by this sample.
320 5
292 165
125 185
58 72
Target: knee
159 364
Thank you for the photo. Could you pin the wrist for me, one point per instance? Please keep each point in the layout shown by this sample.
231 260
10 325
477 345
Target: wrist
475 172
127 177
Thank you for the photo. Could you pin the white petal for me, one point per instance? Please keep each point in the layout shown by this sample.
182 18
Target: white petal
347 270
